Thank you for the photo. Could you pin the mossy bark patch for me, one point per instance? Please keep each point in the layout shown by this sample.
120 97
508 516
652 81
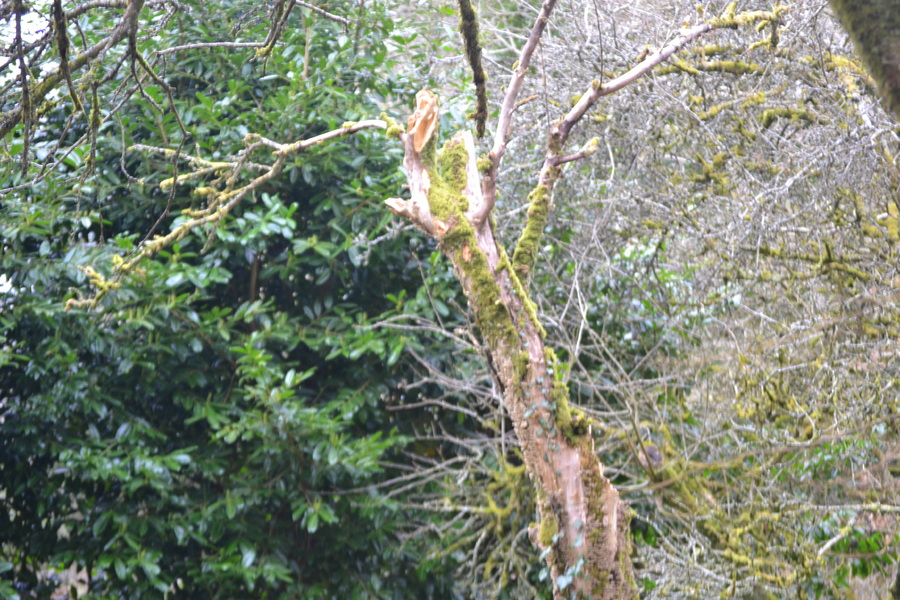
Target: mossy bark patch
527 247
448 203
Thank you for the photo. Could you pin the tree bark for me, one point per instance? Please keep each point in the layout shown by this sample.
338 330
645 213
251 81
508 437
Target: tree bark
874 27
583 531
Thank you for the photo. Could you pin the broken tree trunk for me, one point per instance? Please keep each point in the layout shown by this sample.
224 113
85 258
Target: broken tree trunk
584 524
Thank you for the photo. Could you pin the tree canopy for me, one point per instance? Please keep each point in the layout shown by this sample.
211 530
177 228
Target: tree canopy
228 369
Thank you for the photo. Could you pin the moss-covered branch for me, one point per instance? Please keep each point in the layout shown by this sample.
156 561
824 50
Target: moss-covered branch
525 254
468 27
221 196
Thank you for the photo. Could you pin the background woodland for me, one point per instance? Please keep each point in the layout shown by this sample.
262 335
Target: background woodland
292 399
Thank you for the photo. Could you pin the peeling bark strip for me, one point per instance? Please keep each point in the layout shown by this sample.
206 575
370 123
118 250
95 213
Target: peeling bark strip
584 525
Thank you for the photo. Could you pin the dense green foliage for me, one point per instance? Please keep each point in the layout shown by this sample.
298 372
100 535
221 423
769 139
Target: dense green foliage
199 429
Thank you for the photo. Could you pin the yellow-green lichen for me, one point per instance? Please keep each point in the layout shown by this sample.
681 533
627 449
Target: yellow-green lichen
713 111
713 172
734 67
732 20
773 114
753 100
891 223
742 129
393 129
520 291
712 50
572 422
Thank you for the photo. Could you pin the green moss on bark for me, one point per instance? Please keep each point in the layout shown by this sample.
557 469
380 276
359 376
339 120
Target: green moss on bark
526 251
773 114
549 529
448 204
393 129
572 422
519 289
468 27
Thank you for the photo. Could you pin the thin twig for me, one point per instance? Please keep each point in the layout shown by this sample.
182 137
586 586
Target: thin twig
199 46
324 13
501 135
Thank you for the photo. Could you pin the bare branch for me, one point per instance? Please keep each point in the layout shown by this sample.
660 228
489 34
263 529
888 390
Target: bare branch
598 90
589 149
200 45
501 136
88 6
524 101
324 13
348 128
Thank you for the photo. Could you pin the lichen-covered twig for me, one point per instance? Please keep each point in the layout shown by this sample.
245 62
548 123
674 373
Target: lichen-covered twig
222 195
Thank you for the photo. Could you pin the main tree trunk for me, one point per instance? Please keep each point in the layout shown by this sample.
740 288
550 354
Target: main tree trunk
584 524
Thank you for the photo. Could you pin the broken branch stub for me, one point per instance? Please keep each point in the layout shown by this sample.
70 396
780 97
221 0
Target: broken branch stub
423 122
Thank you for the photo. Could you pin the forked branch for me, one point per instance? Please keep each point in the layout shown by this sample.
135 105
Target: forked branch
539 208
504 123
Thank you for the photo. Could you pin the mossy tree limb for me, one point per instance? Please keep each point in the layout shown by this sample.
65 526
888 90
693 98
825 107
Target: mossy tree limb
584 524
468 27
